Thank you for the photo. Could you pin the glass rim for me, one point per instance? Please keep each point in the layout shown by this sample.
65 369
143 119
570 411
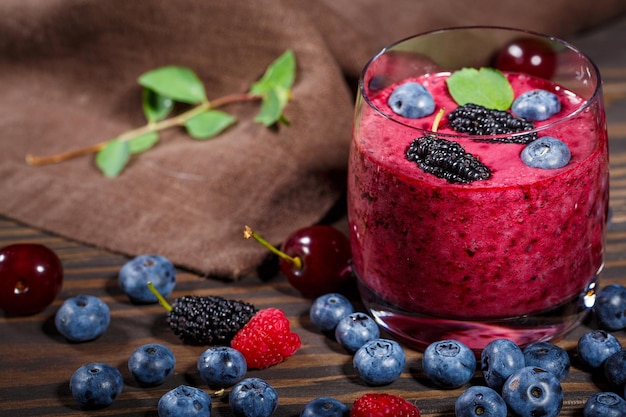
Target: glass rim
428 132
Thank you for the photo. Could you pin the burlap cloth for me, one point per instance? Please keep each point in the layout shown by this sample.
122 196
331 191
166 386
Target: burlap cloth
68 70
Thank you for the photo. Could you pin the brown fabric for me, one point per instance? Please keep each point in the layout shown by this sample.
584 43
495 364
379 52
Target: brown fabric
376 23
69 69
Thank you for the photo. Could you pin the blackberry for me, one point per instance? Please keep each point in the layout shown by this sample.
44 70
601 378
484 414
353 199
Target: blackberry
474 119
446 159
211 320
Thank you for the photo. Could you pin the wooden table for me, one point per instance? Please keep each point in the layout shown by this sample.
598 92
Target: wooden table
36 362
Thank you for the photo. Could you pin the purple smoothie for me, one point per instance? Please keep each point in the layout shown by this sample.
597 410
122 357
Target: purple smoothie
524 241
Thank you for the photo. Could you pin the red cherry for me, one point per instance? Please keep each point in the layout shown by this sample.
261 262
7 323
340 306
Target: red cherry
31 276
528 55
325 256
316 260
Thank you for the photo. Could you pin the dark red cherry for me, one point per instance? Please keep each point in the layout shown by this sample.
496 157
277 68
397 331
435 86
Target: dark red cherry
316 260
325 258
31 276
532 56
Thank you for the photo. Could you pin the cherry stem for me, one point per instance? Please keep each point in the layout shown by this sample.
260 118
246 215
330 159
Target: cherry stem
293 260
437 119
159 297
178 120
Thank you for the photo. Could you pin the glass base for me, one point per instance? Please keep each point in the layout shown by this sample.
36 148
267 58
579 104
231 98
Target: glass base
418 331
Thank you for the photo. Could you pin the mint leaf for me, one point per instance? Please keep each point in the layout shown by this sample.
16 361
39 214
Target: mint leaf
275 88
487 87
272 105
143 142
177 83
155 106
112 159
279 74
208 124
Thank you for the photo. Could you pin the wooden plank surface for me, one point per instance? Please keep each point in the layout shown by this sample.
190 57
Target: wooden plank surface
36 362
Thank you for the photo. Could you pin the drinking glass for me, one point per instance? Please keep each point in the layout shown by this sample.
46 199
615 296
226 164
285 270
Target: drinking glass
516 255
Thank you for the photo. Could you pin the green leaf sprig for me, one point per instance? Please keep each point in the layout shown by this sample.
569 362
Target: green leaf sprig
165 86
487 87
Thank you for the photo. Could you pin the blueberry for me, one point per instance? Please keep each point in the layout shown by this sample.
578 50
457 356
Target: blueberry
595 346
135 274
479 401
354 330
96 385
546 152
253 397
151 364
615 369
379 361
82 318
498 360
610 307
536 105
222 366
531 391
448 363
548 356
325 407
605 404
327 310
378 82
184 401
411 100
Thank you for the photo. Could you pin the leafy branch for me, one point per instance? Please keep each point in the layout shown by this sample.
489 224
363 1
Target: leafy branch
165 86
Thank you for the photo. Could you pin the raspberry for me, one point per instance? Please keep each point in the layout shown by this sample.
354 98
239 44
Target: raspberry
383 405
266 339
474 119
211 320
446 159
